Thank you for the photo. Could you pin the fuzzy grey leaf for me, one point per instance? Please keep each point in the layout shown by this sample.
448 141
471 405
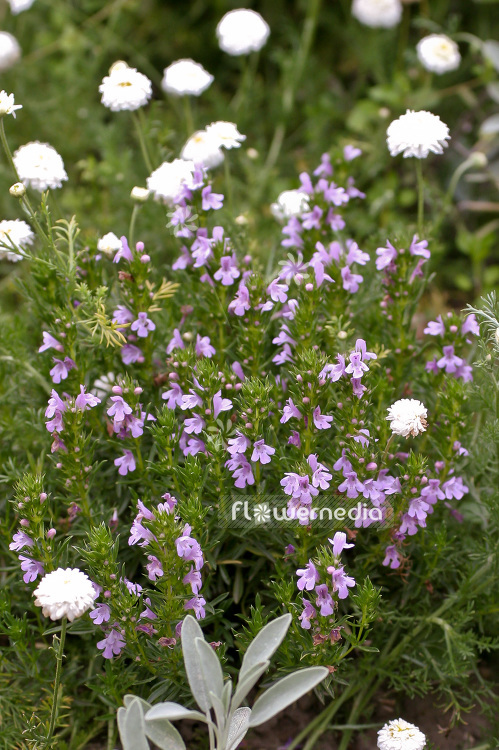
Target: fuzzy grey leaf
191 631
129 698
218 707
132 727
285 692
164 735
172 711
265 643
210 666
239 725
250 679
226 695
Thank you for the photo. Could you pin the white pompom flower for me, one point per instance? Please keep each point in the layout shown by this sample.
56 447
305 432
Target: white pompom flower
7 106
290 203
18 6
65 593
14 234
109 244
382 14
407 416
400 735
39 165
242 31
417 134
225 134
438 53
125 88
10 51
186 77
202 148
167 180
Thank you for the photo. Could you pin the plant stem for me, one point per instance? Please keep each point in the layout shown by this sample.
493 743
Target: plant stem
58 672
133 219
420 181
228 183
189 120
142 141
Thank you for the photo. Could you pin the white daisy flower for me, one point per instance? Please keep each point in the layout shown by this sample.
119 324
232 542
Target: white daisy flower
202 148
186 77
290 203
400 735
407 416
109 244
125 88
10 51
226 134
17 6
382 14
7 106
166 181
438 54
14 234
65 593
39 165
242 31
416 134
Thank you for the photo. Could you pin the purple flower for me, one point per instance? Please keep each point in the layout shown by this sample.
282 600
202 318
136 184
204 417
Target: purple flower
210 199
123 252
86 401
324 169
419 247
131 354
139 534
289 411
189 549
278 292
435 327
174 396
356 367
220 404
240 304
470 325
321 476
321 421
324 600
352 486
334 372
49 342
126 463
341 582
176 342
54 411
154 568
306 183
228 271
197 604
193 578
262 452
418 508
392 557
100 614
112 644
339 542
122 315
409 525
242 472
143 325
169 505
194 424
19 541
308 614
204 347
355 255
191 401
351 152
465 372
61 369
351 280
119 409
312 219
32 569
450 361
386 256
454 488
308 577
239 444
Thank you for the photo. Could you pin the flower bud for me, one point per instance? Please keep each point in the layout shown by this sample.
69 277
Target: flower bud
51 533
139 194
18 190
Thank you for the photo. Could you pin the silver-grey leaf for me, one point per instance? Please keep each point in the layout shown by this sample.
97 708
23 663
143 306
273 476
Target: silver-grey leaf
129 698
265 643
191 631
210 666
218 707
285 692
250 679
172 711
164 735
226 695
239 726
134 736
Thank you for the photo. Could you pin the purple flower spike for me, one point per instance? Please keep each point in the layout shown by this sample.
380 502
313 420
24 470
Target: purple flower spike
262 452
143 325
308 577
112 644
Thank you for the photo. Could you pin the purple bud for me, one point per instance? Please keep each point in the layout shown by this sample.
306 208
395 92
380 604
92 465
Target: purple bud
24 522
372 466
51 533
117 389
43 497
145 258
